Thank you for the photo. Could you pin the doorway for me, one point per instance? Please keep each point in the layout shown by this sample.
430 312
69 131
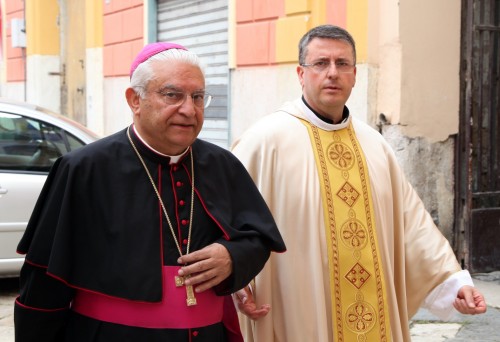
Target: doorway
73 85
478 146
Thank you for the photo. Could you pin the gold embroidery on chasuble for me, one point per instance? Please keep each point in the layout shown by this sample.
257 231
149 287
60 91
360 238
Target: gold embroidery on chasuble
359 303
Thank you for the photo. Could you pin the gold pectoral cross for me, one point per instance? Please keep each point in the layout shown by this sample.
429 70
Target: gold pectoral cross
190 299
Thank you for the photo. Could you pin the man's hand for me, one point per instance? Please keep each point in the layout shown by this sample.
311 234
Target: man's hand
243 299
469 301
207 267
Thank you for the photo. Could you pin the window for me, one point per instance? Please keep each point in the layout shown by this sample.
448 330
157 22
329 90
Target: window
30 145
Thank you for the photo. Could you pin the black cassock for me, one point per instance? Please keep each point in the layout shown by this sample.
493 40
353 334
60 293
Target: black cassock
98 226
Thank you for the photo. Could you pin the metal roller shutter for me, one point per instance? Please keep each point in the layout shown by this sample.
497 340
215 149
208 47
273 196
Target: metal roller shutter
202 27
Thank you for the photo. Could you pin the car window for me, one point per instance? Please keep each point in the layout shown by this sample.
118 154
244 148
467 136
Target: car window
32 145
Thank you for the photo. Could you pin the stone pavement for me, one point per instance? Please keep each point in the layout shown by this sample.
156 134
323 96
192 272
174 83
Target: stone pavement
464 328
6 309
424 326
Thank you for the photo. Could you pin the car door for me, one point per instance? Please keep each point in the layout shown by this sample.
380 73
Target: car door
18 194
28 149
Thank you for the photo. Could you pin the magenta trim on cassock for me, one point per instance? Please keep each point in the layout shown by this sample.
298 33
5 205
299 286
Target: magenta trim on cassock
150 50
171 313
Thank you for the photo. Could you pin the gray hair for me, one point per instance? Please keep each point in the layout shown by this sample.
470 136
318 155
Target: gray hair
328 32
144 74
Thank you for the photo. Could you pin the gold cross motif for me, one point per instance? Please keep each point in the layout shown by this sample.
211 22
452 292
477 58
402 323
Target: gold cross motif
191 299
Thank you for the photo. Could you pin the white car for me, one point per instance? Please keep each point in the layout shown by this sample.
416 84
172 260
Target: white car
31 139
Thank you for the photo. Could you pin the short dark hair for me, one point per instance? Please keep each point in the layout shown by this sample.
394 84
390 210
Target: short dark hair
328 32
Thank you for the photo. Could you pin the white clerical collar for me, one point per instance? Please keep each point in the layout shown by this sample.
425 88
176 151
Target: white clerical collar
173 159
316 121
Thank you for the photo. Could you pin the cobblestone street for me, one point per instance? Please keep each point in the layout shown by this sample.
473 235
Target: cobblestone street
424 326
8 291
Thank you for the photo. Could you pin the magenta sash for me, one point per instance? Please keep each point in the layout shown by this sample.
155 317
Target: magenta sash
172 312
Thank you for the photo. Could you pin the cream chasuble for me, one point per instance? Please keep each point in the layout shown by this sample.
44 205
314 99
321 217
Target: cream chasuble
414 256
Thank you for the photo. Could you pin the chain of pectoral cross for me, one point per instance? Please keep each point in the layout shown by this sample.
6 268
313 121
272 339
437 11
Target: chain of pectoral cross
179 280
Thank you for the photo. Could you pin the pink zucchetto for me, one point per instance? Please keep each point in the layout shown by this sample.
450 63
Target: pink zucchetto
150 50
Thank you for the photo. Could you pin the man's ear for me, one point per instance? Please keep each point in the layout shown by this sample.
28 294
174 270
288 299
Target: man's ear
300 74
133 100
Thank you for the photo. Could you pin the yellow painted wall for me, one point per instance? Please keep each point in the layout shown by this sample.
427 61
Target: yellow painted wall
289 30
318 13
357 25
93 23
42 31
296 6
302 15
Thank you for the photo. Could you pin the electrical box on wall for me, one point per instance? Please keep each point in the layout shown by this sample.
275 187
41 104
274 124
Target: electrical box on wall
18 33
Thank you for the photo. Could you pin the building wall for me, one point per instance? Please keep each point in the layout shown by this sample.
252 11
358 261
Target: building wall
13 58
407 83
114 32
424 128
124 32
266 53
94 72
431 68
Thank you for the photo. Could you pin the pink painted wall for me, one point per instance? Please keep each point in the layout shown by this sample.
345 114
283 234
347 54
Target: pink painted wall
256 27
14 56
336 12
123 35
255 31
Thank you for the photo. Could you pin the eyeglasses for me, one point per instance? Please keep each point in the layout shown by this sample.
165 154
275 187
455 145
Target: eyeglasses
322 65
177 98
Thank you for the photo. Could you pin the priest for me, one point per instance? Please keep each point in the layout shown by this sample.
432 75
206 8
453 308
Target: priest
363 254
144 234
